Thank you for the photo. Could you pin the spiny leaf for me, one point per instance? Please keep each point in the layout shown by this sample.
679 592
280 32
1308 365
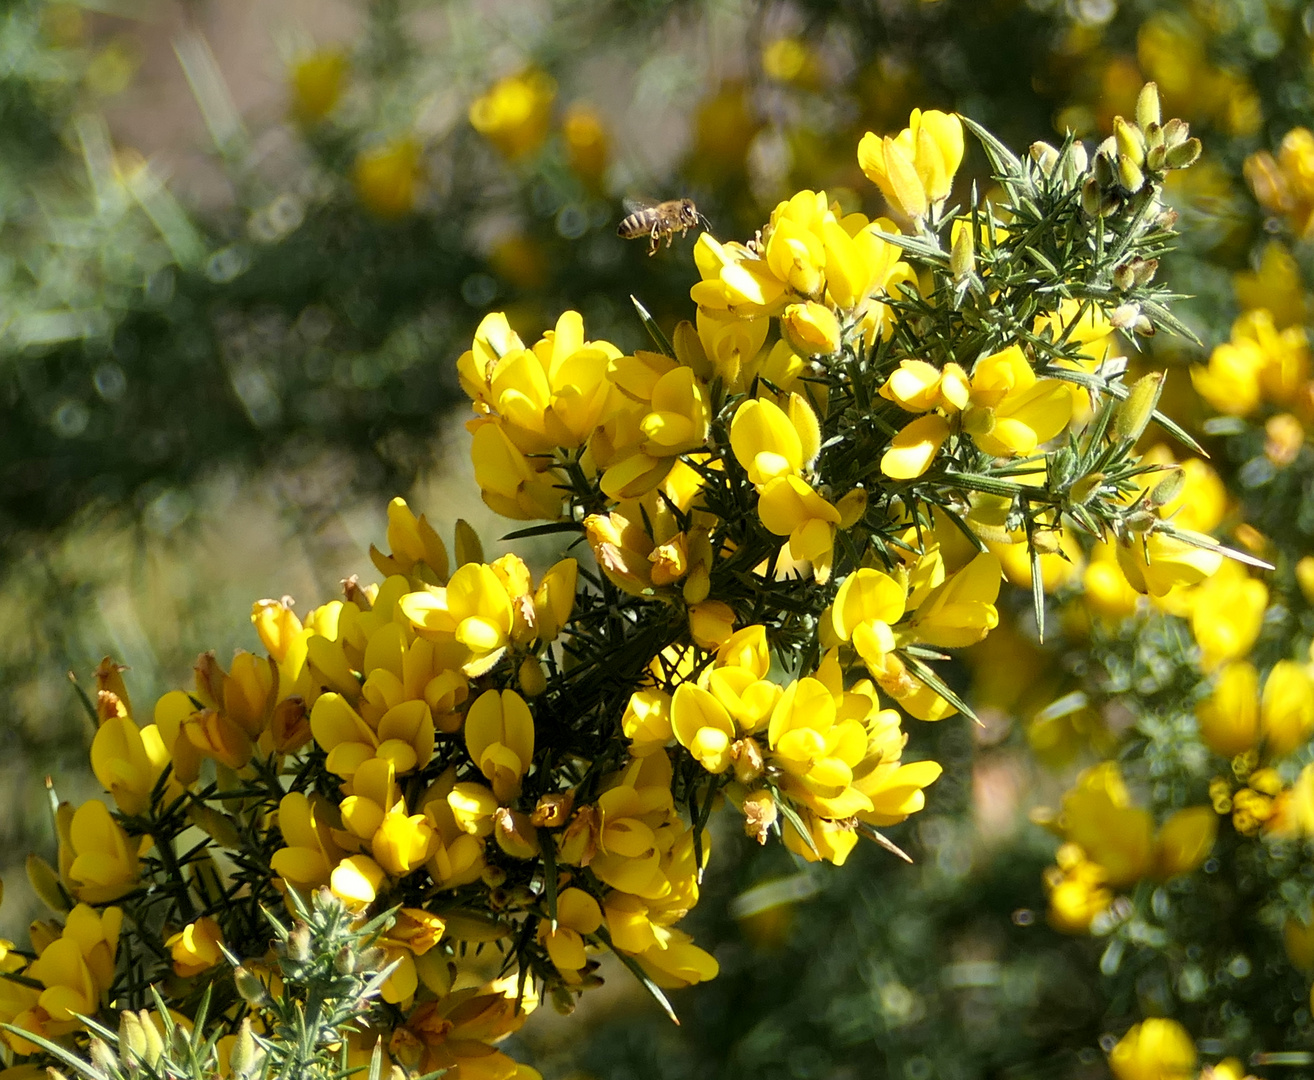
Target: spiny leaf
603 936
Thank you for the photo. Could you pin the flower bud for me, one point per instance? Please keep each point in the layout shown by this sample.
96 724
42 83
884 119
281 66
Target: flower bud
533 680
1130 143
1183 156
251 987
242 1059
1167 489
1130 176
102 1056
962 260
1045 156
1135 411
1147 106
852 507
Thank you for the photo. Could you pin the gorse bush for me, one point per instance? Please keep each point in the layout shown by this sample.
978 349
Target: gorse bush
447 793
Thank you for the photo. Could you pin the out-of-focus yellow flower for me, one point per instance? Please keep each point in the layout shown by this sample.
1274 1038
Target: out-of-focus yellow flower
1155 1049
388 178
1077 891
499 734
317 81
1259 364
1285 185
1121 839
1276 286
1227 613
915 169
1286 711
515 113
587 143
196 947
1229 716
791 60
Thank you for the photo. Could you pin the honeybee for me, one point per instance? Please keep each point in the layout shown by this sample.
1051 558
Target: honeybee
655 220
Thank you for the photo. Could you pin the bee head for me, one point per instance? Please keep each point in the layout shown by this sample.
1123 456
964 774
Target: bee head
689 213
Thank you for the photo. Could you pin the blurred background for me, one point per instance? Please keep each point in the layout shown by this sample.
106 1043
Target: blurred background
242 243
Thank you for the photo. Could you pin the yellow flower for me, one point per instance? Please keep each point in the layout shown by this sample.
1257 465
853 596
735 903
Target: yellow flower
1155 1049
1276 285
515 113
195 948
961 610
357 881
404 735
811 328
711 622
623 551
388 177
128 763
587 143
1285 185
1286 708
832 841
867 605
76 969
1259 363
818 750
1229 716
915 169
790 507
918 387
499 735
1077 892
473 612
317 81
97 859
702 726
1157 563
770 442
311 853
913 449
510 483
1011 412
416 550
578 915
647 721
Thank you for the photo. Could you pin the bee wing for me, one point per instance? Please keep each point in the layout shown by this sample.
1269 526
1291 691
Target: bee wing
634 203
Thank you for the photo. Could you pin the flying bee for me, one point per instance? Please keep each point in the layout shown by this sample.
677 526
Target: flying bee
655 220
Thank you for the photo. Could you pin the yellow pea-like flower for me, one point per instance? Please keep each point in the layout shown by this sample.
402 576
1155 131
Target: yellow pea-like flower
915 169
961 610
765 441
790 507
578 915
196 947
311 853
702 726
1159 562
867 605
97 859
402 843
914 448
647 721
499 735
357 881
128 762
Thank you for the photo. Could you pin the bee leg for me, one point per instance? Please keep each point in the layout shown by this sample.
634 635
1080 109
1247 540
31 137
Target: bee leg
655 240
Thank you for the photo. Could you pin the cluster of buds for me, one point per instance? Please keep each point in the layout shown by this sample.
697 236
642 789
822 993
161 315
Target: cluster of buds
1136 155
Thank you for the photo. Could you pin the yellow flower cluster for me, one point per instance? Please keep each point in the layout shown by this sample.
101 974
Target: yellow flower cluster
1111 844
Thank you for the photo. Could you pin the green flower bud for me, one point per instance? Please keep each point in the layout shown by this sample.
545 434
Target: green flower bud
1147 106
1135 412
